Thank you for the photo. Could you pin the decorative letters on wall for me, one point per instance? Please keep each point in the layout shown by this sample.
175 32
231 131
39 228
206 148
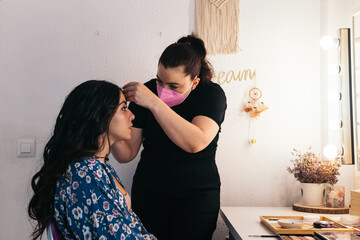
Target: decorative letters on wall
222 77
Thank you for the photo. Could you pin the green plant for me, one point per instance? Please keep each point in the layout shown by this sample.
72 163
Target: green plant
310 168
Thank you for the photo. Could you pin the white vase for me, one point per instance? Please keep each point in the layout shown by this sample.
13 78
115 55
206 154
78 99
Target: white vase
312 194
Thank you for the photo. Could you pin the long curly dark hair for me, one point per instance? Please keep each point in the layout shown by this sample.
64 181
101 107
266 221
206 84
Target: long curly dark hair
84 117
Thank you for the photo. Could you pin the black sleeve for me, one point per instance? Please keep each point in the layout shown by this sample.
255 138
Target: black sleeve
213 104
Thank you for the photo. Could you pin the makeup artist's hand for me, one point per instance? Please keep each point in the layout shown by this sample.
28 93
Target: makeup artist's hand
138 93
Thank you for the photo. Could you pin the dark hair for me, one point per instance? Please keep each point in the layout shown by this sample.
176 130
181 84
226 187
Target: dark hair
85 116
189 52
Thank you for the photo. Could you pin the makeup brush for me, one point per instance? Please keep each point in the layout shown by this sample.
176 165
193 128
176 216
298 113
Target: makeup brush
275 236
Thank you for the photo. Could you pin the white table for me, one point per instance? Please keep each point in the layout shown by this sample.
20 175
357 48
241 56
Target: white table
245 221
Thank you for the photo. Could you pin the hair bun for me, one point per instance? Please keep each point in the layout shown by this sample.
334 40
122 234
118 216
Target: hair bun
196 43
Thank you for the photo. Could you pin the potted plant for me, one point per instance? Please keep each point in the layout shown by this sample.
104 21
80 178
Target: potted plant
313 172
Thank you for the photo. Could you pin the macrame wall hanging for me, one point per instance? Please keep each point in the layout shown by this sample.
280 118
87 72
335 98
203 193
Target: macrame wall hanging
218 25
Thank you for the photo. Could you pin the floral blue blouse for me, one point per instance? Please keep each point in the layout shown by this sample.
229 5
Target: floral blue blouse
88 204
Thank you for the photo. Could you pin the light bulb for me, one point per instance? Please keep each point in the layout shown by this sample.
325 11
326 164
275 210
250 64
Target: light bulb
335 124
357 70
327 42
357 43
330 151
333 69
334 96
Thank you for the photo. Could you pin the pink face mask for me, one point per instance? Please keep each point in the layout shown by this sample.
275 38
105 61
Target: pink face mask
170 97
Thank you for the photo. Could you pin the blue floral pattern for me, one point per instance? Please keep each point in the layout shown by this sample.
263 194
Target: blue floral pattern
88 204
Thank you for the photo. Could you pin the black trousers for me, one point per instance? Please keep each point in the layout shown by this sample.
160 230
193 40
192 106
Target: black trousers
171 217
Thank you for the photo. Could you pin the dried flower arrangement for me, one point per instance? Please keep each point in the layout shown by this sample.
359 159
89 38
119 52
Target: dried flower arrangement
310 168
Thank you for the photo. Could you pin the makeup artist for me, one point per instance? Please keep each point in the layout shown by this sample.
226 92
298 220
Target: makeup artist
176 187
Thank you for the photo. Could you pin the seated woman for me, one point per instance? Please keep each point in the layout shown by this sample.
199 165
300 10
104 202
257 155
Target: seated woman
76 188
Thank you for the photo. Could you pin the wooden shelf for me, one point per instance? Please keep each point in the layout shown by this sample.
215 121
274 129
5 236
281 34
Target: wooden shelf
319 209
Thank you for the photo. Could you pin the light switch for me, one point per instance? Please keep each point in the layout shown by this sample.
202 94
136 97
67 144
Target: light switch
25 147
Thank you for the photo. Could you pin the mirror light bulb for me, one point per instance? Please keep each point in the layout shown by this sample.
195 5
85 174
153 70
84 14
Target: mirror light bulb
357 70
357 42
327 42
335 124
330 151
333 69
334 96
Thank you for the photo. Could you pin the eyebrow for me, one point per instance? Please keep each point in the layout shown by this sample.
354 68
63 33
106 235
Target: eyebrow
123 102
171 83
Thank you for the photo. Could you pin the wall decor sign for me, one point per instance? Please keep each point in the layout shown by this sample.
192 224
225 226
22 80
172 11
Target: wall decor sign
218 25
222 77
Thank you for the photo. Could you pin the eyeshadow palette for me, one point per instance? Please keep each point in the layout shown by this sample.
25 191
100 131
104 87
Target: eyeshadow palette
322 236
337 235
297 237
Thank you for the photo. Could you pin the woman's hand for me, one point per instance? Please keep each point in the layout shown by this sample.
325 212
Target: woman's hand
138 93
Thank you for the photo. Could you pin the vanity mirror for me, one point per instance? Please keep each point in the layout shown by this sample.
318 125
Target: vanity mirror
356 86
346 93
344 122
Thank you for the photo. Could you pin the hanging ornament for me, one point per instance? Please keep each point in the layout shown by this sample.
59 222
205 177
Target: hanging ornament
254 108
255 94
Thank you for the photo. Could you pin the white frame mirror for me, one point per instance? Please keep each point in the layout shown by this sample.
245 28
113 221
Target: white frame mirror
356 95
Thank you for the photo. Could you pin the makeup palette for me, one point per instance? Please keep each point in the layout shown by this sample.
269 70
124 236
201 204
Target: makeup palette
297 237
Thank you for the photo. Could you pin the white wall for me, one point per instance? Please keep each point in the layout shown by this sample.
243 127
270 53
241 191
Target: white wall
48 47
280 40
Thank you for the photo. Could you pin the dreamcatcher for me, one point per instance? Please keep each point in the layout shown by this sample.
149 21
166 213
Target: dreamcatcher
254 107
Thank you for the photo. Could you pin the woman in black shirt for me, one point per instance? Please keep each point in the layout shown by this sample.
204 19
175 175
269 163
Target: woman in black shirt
176 187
